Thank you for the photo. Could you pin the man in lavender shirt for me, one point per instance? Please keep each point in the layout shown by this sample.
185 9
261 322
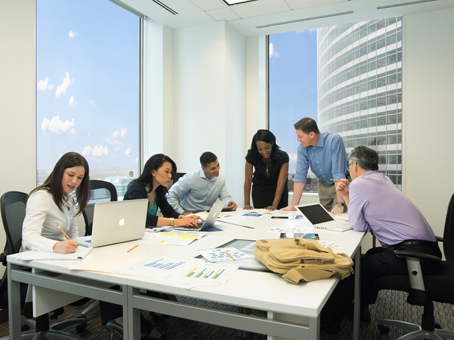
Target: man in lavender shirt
376 206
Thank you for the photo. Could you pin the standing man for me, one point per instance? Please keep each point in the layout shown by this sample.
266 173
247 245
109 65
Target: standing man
199 189
325 154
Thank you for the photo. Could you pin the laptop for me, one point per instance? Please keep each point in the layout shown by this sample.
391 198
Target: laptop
117 222
213 215
320 218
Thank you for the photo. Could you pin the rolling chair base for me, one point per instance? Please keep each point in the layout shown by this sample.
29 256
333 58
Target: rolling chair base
416 332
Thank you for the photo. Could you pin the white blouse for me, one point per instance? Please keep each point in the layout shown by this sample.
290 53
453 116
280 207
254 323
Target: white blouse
43 219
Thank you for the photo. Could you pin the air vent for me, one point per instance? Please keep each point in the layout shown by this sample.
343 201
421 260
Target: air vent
305 19
406 4
167 8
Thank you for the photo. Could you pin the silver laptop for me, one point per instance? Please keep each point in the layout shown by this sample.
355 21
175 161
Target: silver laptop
320 218
117 222
213 215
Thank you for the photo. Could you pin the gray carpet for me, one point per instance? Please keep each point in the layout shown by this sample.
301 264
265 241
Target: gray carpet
390 304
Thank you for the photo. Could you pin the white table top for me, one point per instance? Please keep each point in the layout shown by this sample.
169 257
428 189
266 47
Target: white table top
253 289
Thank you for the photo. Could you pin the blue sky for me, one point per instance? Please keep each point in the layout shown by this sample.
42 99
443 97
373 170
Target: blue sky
87 83
293 85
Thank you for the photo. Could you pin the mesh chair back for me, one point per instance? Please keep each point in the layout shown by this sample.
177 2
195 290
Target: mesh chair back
101 191
175 178
13 214
448 236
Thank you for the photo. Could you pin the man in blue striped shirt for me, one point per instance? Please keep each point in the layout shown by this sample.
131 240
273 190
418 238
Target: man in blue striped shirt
325 154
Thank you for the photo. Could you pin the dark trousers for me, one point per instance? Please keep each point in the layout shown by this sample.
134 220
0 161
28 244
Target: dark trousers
376 263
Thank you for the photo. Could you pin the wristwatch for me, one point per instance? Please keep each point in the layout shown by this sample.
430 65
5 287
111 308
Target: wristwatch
340 204
172 220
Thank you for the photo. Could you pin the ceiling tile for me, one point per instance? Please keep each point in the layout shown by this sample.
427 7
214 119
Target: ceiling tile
210 5
297 4
259 7
223 14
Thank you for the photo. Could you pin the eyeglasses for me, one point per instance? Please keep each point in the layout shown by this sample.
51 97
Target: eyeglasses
350 163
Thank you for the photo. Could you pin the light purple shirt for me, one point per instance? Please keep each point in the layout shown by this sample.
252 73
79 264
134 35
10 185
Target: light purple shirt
376 205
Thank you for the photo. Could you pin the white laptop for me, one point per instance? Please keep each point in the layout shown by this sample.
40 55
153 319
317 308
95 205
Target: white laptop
213 215
320 218
117 222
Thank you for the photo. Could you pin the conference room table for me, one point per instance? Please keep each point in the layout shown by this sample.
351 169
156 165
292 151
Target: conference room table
266 303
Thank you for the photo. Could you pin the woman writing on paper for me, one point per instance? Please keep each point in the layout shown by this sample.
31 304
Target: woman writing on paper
152 184
51 209
269 180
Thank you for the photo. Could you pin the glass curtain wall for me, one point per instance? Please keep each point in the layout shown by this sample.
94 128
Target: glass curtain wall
88 88
359 90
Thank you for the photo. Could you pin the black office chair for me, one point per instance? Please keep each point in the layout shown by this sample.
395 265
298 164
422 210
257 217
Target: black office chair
425 289
101 191
13 214
175 178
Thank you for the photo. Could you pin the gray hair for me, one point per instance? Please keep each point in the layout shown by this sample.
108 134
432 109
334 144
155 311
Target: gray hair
366 158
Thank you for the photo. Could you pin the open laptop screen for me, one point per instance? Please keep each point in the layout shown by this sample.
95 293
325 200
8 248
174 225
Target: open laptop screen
315 213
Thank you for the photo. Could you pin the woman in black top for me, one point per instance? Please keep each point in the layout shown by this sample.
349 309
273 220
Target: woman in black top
152 184
269 180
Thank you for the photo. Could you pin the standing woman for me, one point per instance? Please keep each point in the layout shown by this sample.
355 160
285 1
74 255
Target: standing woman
152 184
269 180
51 206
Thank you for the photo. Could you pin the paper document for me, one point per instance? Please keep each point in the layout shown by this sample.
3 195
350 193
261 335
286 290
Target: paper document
32 255
173 238
224 254
187 272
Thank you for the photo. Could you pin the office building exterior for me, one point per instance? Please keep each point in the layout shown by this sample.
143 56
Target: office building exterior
360 88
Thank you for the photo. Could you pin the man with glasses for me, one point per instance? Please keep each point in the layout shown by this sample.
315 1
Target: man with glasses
325 154
375 205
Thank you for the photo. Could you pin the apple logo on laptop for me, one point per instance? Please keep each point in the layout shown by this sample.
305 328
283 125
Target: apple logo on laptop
121 223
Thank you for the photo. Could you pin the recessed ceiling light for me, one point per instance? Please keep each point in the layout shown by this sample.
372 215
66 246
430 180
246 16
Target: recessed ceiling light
236 2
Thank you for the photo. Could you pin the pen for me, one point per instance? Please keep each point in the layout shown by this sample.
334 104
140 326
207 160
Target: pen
230 255
133 248
69 238
335 180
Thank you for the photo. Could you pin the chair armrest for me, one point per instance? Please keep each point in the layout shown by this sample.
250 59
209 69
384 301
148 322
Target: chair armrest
439 239
416 254
3 259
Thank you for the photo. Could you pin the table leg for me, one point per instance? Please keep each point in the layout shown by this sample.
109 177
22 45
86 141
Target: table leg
14 308
357 301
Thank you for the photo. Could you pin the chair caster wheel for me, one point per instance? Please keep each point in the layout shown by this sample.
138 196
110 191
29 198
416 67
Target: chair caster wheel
80 328
383 329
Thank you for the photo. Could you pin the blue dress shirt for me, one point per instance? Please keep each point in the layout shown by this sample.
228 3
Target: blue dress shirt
328 159
194 192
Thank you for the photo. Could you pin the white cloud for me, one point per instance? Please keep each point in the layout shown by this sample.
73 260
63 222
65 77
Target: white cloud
64 85
292 156
72 101
273 53
92 103
57 126
127 152
44 85
137 160
72 34
96 151
116 136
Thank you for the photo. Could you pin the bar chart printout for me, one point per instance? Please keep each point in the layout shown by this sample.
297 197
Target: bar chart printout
188 272
210 273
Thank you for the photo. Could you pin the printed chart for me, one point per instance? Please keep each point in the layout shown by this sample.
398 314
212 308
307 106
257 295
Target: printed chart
224 254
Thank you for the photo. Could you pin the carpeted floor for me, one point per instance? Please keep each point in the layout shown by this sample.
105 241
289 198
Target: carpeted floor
391 305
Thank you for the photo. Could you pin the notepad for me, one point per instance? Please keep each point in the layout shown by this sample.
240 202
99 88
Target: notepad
32 255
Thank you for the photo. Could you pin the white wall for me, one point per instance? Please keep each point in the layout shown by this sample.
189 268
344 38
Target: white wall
428 121
209 100
17 97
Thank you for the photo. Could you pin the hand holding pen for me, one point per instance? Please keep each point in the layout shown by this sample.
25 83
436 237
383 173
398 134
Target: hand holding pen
65 247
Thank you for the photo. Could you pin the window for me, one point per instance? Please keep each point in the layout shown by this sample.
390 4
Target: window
348 88
88 87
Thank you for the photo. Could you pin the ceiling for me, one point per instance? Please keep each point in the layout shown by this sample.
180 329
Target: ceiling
262 17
